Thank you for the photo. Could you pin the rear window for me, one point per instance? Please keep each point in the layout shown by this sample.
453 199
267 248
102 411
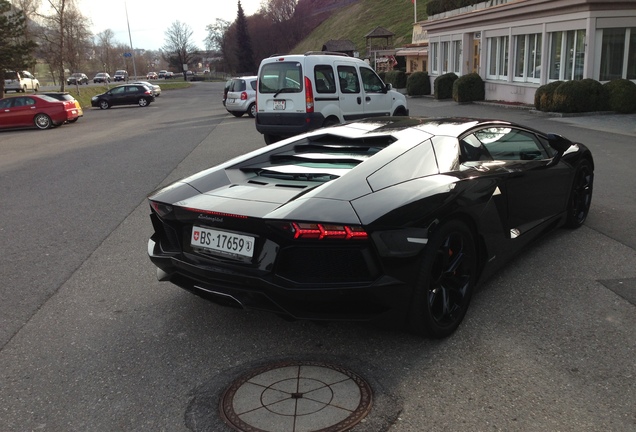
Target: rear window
237 85
281 77
11 75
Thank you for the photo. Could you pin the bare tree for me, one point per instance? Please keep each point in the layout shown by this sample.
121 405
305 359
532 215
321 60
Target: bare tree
279 11
178 48
105 50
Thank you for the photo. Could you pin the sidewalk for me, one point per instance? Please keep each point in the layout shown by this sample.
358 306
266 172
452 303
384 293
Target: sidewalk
624 124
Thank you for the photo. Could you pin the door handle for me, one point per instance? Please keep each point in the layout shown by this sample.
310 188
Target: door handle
359 100
368 99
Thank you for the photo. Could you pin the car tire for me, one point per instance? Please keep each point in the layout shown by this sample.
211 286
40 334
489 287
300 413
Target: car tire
448 270
580 195
271 139
330 121
251 110
103 104
42 121
24 89
399 112
37 88
143 102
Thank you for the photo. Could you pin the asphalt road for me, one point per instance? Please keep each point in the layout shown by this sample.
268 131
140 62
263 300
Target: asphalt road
90 341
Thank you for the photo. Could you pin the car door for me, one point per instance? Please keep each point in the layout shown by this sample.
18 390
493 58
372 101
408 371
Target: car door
376 101
6 116
534 186
21 111
117 95
350 92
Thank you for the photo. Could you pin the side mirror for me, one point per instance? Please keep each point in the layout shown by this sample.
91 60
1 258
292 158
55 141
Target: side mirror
559 143
388 87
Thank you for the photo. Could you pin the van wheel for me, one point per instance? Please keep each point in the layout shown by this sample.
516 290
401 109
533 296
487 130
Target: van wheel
330 121
271 139
399 111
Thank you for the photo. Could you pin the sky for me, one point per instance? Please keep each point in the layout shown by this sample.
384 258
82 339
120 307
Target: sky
149 20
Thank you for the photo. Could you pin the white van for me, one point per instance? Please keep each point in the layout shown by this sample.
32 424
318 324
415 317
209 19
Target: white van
20 81
298 93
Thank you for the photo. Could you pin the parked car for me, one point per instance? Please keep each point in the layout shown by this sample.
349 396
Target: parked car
241 96
162 74
298 93
38 111
66 96
20 81
168 75
120 75
385 218
152 75
77 79
156 88
101 77
127 94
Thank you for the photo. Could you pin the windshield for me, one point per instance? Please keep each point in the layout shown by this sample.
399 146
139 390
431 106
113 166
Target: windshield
280 77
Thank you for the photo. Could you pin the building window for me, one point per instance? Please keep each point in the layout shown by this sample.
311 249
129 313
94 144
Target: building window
618 54
457 56
498 58
434 57
445 56
567 55
527 67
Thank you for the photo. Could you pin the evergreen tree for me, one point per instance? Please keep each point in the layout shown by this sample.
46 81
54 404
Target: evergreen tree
15 50
245 54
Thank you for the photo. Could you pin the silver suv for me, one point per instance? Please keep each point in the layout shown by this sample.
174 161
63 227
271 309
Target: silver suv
241 96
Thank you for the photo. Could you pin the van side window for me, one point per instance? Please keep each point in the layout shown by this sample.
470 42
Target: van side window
370 81
348 77
324 79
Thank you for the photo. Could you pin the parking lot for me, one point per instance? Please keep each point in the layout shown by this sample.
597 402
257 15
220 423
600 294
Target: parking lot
91 341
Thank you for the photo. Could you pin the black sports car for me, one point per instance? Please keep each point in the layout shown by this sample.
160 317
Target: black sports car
393 218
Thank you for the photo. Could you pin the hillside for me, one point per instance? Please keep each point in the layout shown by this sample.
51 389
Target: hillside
356 19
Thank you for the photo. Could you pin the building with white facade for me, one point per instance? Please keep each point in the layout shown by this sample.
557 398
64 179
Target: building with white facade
518 45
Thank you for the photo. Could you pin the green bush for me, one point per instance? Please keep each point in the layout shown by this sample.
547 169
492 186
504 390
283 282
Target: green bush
597 95
469 88
544 95
570 97
443 86
382 76
418 84
622 95
396 78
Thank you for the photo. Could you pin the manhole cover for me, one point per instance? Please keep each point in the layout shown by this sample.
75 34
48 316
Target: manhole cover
298 396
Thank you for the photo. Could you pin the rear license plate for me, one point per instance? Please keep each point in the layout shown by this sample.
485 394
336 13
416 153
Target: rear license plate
231 100
279 104
222 242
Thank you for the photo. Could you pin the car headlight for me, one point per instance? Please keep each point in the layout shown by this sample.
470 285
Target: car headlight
94 98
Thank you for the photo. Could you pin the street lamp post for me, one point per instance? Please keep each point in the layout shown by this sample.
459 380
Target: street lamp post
132 50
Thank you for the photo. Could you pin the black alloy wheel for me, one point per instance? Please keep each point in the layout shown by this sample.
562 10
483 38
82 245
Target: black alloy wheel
446 281
580 195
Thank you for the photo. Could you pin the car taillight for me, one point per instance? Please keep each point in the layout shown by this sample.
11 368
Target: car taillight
244 96
161 209
320 231
148 92
309 96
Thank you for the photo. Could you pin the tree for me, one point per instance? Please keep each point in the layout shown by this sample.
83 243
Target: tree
15 49
178 46
245 53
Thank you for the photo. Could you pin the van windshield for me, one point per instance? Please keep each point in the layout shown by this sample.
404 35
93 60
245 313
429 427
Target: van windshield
281 77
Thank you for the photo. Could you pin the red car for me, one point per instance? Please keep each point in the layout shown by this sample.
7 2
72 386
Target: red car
40 111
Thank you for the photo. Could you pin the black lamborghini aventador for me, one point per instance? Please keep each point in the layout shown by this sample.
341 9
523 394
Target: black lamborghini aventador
393 218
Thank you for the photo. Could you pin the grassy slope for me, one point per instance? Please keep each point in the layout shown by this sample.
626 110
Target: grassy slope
355 21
